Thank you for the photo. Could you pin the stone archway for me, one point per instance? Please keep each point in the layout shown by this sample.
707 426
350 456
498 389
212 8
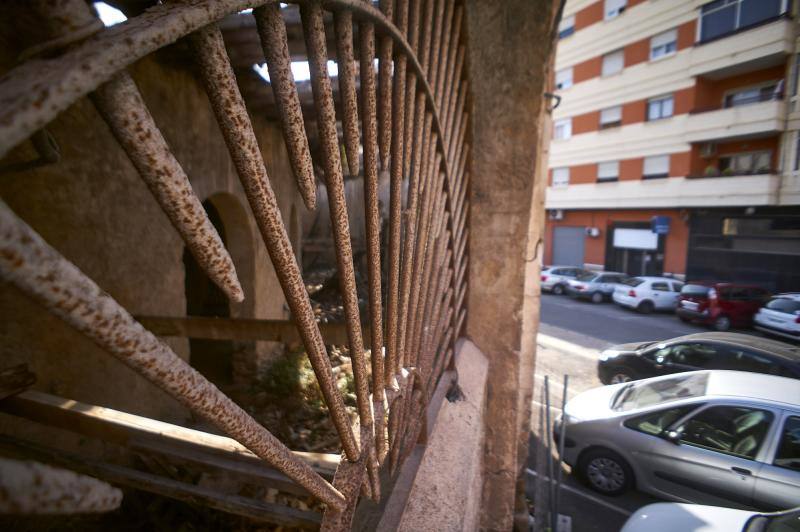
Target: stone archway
222 361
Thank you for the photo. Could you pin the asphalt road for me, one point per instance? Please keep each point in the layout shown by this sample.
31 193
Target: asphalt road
598 326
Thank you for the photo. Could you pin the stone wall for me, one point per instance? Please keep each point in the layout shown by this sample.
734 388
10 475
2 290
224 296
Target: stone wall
93 207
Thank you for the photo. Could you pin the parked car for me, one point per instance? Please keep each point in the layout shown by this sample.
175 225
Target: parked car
555 278
780 316
647 294
721 305
725 438
672 516
595 286
709 350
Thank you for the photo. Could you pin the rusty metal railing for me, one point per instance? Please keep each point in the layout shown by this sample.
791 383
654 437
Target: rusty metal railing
413 124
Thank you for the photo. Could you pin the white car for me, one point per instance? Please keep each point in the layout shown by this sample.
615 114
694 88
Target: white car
647 294
670 517
555 278
780 316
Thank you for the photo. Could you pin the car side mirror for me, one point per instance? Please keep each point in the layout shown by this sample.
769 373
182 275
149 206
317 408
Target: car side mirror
672 436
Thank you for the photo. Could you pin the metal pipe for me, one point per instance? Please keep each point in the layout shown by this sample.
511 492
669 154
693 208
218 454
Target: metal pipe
343 24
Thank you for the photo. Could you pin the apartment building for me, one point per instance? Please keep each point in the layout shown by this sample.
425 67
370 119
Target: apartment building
676 147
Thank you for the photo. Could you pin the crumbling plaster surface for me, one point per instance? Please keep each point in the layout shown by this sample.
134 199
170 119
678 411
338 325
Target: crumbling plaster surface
94 209
510 44
446 494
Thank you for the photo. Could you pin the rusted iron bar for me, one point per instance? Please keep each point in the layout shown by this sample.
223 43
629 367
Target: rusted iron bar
429 175
369 126
314 33
385 67
272 32
123 109
349 478
343 23
28 487
453 94
421 127
395 202
231 113
39 271
433 63
448 70
411 84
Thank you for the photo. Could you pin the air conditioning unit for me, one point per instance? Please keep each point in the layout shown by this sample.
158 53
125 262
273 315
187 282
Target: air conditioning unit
709 149
555 214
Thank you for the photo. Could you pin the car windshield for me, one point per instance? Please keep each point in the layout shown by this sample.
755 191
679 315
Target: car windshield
643 393
787 521
783 304
695 290
586 276
632 281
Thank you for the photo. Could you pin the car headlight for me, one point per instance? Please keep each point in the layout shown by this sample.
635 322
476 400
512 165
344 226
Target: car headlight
609 353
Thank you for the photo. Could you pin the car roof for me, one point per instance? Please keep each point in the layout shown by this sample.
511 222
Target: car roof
774 347
788 295
759 386
657 278
602 272
560 266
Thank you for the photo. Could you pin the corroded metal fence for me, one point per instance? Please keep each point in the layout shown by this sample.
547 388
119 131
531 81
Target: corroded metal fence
413 123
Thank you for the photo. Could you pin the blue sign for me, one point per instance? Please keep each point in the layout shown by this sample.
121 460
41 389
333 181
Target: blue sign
660 225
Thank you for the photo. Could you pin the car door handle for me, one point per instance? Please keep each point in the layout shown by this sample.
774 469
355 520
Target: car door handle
741 470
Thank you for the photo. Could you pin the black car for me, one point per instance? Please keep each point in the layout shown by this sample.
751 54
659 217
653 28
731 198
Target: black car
712 350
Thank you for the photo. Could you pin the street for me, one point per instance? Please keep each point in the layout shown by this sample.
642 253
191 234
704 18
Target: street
598 326
571 334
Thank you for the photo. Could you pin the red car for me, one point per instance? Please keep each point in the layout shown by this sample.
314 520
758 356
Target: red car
721 305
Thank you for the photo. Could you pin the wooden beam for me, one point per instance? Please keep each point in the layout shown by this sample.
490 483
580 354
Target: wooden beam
241 329
190 493
141 432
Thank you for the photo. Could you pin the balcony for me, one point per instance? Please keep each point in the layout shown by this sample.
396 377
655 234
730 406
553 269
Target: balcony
752 49
743 121
733 191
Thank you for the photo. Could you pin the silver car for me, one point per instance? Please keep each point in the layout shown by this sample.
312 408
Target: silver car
555 278
595 286
724 438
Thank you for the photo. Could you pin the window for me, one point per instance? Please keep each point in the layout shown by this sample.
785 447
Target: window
564 78
613 8
613 62
797 151
722 17
677 287
656 166
785 305
639 394
611 117
560 177
732 430
763 93
788 454
657 422
566 27
757 162
664 44
661 107
562 129
660 287
608 171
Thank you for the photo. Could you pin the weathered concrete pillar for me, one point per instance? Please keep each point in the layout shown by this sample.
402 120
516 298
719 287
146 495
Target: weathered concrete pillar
510 50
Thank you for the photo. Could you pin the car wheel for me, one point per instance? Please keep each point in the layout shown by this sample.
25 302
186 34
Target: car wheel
558 290
606 472
722 323
597 297
619 375
646 307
